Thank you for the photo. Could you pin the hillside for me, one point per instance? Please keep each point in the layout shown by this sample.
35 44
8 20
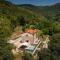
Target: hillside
9 9
29 11
38 16
56 6
47 11
16 19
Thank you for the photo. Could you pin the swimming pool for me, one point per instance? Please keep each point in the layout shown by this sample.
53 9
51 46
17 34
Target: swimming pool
30 48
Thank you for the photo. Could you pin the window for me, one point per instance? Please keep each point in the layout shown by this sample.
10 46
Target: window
21 41
27 40
26 34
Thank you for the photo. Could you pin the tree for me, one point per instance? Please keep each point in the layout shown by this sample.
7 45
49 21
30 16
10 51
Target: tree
22 21
5 51
53 51
44 54
5 31
54 46
5 28
27 56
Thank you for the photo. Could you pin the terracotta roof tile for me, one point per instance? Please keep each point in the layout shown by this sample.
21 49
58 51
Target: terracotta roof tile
32 31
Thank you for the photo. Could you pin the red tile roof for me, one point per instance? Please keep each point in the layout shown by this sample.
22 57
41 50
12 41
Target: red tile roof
32 31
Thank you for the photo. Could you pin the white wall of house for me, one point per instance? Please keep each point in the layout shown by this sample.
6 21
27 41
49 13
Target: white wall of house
25 38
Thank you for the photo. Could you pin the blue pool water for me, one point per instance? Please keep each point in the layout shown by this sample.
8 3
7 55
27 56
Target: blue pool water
30 48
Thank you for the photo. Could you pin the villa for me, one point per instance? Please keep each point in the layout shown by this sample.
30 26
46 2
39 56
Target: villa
27 40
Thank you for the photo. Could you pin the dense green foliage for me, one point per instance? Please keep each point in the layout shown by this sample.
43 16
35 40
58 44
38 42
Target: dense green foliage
5 31
27 56
5 51
53 52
